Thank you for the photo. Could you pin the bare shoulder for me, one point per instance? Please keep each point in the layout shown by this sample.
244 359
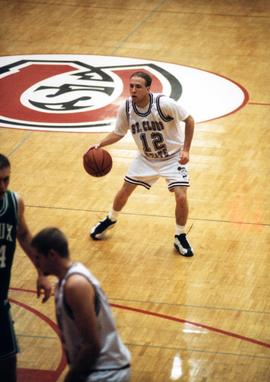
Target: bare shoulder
78 286
77 279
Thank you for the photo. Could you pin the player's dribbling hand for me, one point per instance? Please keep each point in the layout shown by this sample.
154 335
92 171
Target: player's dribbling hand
96 146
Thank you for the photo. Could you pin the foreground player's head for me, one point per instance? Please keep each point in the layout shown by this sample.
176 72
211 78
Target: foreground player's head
50 248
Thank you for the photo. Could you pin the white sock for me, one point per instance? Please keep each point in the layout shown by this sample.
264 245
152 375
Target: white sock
113 215
180 229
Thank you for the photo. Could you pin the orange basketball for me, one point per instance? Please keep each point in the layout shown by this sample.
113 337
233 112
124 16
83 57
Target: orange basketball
97 162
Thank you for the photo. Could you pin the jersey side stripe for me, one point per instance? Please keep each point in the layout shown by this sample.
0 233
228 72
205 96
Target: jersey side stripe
127 109
162 116
15 204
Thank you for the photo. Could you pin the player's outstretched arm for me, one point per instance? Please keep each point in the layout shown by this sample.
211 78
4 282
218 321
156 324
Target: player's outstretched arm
24 238
108 140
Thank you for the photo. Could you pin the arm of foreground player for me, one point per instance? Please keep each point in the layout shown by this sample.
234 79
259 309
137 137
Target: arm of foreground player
24 238
79 295
189 130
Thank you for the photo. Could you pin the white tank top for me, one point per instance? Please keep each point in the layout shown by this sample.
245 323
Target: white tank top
156 129
113 354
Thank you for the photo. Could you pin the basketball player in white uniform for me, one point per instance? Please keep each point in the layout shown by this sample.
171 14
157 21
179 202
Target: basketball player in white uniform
93 347
163 151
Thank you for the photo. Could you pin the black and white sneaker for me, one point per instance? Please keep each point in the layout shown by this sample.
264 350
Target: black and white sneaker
182 245
99 230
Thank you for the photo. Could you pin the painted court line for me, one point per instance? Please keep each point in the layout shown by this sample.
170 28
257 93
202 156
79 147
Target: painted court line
180 320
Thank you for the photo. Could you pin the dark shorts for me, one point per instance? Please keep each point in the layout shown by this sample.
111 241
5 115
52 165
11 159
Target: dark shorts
8 344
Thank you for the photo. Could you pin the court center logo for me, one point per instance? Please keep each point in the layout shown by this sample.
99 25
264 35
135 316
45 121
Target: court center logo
83 93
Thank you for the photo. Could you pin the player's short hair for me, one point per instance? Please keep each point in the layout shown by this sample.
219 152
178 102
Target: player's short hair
4 162
51 238
147 78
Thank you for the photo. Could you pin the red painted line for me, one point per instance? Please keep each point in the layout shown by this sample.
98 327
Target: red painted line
24 290
40 375
34 375
259 103
181 320
210 328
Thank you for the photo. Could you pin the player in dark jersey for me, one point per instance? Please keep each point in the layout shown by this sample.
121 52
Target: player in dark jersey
12 227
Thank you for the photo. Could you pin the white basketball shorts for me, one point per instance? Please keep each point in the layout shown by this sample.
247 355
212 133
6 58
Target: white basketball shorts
145 172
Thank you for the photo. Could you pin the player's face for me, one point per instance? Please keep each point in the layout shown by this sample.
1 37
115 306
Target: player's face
42 262
139 91
4 180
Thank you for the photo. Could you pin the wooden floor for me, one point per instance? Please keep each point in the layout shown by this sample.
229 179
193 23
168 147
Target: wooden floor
200 319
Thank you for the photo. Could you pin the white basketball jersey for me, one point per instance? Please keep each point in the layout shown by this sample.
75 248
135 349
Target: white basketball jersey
114 354
156 129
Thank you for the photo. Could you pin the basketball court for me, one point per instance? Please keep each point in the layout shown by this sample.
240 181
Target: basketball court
198 319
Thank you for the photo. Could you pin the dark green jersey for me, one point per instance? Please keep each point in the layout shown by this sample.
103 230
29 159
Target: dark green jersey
8 231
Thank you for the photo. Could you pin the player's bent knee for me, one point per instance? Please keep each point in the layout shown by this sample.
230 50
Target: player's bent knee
181 197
